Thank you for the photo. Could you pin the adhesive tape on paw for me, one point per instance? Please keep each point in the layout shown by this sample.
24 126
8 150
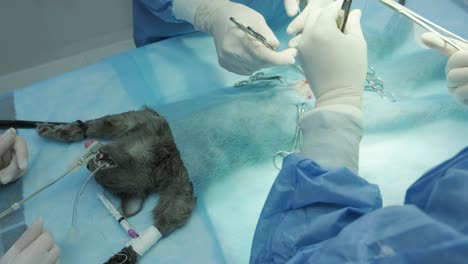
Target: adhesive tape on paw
146 240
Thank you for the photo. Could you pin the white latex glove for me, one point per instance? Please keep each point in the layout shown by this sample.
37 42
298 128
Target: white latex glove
457 66
334 63
292 7
13 156
297 25
36 245
237 51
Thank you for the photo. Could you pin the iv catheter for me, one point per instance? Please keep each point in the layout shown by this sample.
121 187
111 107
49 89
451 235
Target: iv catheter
425 23
84 158
117 216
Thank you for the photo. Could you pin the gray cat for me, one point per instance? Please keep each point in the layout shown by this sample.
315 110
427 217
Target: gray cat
142 159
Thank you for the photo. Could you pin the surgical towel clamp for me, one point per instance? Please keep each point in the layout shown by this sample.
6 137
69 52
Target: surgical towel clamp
297 138
376 84
261 38
259 76
425 23
84 158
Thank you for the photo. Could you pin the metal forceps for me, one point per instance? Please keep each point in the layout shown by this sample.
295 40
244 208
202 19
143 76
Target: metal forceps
376 84
252 33
297 141
425 23
259 76
261 38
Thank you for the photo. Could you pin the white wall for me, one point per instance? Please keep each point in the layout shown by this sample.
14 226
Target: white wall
35 32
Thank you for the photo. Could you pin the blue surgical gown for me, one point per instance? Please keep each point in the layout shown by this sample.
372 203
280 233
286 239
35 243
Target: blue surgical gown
313 215
153 20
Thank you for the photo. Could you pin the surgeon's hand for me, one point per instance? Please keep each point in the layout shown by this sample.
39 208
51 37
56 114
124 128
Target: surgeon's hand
13 156
237 51
36 245
457 66
297 25
335 63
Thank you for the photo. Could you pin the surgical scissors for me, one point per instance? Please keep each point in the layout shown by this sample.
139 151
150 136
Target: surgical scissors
297 141
261 38
425 23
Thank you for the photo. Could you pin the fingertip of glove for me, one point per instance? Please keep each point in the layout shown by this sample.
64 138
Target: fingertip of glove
23 165
38 222
293 43
275 43
5 179
291 30
293 52
291 8
357 14
426 37
8 132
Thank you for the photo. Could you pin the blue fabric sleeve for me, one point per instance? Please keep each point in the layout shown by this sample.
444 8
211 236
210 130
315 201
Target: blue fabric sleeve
390 235
153 21
442 192
307 205
161 9
316 216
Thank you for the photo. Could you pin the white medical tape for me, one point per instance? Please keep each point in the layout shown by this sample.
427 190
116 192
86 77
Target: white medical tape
145 241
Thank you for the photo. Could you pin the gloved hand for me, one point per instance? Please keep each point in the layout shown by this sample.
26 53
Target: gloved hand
237 51
36 245
292 7
297 25
13 156
457 66
334 63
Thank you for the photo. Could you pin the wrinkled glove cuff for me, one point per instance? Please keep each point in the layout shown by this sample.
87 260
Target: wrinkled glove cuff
206 15
185 9
198 12
332 135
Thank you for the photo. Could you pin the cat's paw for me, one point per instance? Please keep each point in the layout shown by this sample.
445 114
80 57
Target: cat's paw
131 205
65 132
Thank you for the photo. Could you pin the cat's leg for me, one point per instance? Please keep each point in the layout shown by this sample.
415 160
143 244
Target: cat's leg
131 205
107 127
174 207
126 256
173 210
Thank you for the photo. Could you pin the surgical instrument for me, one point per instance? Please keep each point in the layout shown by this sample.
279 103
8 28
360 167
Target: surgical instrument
344 13
84 158
116 214
299 4
261 38
259 76
425 23
297 141
376 84
252 33
25 123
